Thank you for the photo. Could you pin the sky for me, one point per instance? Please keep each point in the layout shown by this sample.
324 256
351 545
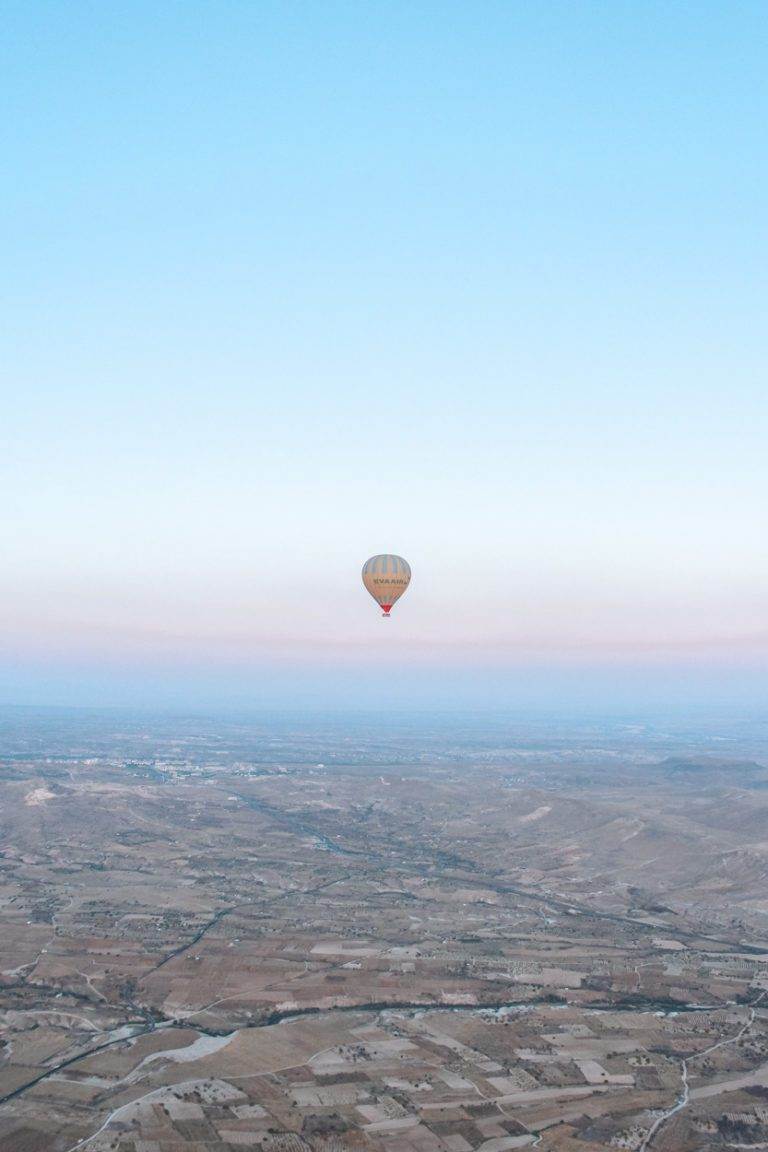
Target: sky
285 285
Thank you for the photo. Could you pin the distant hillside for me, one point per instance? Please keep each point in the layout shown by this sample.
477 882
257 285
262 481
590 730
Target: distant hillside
712 765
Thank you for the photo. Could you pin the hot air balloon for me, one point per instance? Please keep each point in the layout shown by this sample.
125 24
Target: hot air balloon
386 578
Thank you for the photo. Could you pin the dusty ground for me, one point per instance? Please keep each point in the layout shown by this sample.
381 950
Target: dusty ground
222 937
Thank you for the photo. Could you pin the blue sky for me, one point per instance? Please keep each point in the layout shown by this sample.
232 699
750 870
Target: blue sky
286 285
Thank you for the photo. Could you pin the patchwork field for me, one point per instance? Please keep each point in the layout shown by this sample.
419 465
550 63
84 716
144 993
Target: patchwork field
218 936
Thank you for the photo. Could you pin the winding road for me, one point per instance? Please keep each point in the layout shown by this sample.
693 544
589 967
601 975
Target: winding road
684 1098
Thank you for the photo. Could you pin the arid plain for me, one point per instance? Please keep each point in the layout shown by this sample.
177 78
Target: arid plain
396 934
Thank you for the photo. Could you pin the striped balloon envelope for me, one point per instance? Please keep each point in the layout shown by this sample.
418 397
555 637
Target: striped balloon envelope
386 578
